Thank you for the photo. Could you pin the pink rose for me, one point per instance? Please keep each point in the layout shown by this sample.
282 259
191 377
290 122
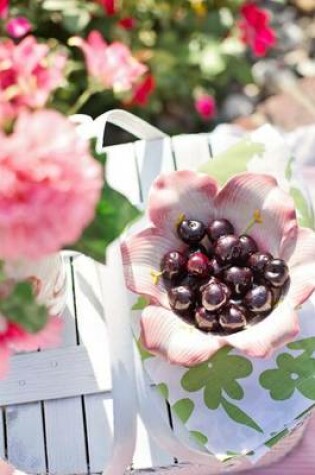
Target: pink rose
18 27
128 23
206 106
255 29
14 338
111 65
49 186
142 91
29 73
200 197
4 8
109 6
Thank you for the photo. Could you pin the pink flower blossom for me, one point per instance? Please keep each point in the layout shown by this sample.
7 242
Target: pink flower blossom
206 106
255 29
128 23
111 65
49 186
109 6
29 73
18 27
199 197
13 338
142 91
4 8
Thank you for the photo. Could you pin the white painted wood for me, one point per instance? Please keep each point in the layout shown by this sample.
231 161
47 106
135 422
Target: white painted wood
2 441
153 157
121 171
55 374
92 330
191 150
25 438
66 451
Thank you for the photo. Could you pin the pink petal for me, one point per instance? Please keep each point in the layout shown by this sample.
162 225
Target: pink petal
4 361
260 340
300 256
49 337
142 254
163 333
6 469
248 192
181 192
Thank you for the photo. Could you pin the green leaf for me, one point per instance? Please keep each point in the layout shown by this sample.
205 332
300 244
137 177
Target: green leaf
274 440
307 344
232 161
305 213
145 355
306 386
140 304
199 437
163 389
184 409
234 390
75 20
239 416
113 213
21 307
195 378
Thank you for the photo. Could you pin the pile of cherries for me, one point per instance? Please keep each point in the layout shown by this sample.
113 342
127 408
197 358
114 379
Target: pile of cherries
221 281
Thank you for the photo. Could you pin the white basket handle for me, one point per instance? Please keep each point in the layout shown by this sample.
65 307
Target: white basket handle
126 121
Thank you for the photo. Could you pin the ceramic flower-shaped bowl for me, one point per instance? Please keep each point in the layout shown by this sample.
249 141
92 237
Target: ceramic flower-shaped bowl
198 196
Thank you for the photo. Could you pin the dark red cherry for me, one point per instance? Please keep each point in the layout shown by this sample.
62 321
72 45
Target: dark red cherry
195 248
199 265
206 320
191 231
227 249
276 272
232 318
248 247
258 299
258 261
214 295
238 279
181 298
217 267
218 228
173 265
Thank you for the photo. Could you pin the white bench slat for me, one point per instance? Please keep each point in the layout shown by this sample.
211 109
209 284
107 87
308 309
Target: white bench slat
121 171
191 150
153 157
2 429
92 331
56 374
66 448
25 437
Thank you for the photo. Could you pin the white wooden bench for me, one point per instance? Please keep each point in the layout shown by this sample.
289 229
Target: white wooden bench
57 405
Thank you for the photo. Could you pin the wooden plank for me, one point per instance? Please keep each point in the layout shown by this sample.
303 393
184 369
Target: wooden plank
191 150
26 448
66 452
56 374
92 331
2 434
153 157
121 171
